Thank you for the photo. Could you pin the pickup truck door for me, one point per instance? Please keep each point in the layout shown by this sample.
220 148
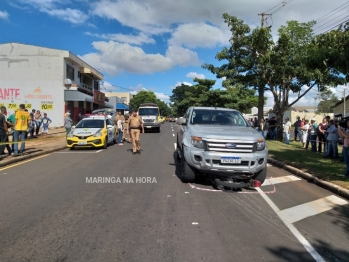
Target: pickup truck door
182 129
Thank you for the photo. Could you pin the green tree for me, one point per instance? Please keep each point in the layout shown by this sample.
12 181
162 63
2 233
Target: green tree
248 58
327 102
143 97
185 96
281 67
238 97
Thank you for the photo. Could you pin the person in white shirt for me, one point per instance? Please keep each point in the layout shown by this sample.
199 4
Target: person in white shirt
120 129
305 129
287 128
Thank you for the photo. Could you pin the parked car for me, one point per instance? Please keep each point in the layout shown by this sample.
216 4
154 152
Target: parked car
92 131
221 145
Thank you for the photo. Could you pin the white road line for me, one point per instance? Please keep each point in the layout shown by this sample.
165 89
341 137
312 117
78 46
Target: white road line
313 208
99 151
175 145
278 180
269 165
292 228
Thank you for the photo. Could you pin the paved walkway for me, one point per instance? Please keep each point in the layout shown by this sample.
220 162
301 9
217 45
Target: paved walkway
56 138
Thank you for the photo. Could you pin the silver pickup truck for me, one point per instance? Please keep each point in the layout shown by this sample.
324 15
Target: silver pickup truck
220 144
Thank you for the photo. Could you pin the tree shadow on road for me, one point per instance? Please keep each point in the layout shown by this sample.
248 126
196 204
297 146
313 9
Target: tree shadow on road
325 250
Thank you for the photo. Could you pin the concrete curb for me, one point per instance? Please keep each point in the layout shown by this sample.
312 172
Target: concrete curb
25 157
312 179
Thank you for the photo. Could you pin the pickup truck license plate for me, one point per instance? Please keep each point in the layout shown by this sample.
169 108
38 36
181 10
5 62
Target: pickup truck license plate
82 143
230 160
148 126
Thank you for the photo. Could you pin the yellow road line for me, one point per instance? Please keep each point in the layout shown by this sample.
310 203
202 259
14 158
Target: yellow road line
23 162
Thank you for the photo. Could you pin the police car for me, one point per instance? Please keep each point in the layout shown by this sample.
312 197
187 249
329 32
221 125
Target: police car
93 131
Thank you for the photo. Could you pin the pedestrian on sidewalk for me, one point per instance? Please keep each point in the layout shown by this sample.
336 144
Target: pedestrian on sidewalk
3 128
32 123
38 118
8 147
68 122
322 135
21 128
344 133
12 119
332 140
287 128
297 129
121 131
45 123
313 129
305 130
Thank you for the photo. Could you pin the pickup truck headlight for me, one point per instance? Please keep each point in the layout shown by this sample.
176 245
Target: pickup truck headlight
197 142
260 145
70 134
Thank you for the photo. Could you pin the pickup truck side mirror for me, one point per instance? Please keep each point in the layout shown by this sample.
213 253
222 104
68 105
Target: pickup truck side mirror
181 121
109 126
72 128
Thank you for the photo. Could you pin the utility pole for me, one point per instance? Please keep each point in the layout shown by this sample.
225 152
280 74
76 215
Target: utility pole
262 22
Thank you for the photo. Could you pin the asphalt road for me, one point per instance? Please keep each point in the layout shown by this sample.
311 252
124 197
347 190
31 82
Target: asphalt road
48 211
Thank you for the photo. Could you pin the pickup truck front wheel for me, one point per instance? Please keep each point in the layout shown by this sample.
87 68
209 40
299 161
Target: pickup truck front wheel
188 173
261 175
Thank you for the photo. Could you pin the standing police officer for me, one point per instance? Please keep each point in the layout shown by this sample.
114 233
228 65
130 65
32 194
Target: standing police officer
135 125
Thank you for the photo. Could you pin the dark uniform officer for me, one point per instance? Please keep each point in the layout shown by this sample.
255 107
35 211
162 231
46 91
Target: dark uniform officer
135 123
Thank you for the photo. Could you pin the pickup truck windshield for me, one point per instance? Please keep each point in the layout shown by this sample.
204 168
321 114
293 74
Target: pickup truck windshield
93 123
148 111
217 117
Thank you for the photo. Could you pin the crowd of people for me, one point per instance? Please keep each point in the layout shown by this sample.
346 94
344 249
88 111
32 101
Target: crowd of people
324 137
21 125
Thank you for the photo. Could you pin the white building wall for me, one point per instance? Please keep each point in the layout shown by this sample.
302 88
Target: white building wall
33 76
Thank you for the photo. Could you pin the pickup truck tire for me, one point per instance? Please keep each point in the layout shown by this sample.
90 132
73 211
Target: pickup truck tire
261 175
188 173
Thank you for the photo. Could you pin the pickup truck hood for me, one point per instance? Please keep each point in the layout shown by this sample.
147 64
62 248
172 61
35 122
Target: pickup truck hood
225 132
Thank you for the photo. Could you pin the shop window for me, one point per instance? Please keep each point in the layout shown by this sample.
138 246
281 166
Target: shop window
70 72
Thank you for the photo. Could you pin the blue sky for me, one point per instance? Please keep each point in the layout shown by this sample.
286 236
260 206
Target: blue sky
148 44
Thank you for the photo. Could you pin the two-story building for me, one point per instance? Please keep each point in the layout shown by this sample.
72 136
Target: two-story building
50 80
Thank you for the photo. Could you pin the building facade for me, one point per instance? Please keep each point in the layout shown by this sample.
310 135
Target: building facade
50 80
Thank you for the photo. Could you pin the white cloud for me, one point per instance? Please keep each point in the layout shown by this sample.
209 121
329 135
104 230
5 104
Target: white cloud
162 96
182 56
129 39
115 58
4 15
153 18
195 75
73 16
52 8
199 35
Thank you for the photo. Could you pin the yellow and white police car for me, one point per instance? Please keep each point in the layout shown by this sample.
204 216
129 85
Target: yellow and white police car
92 131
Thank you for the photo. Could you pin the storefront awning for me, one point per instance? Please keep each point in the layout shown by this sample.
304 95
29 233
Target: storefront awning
121 106
74 95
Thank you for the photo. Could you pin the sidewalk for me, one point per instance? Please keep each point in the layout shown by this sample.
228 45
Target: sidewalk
37 146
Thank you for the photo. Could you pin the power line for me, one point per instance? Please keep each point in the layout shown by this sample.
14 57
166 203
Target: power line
332 24
279 6
324 25
332 12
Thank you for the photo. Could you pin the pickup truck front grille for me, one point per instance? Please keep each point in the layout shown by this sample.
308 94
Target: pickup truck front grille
227 146
148 120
